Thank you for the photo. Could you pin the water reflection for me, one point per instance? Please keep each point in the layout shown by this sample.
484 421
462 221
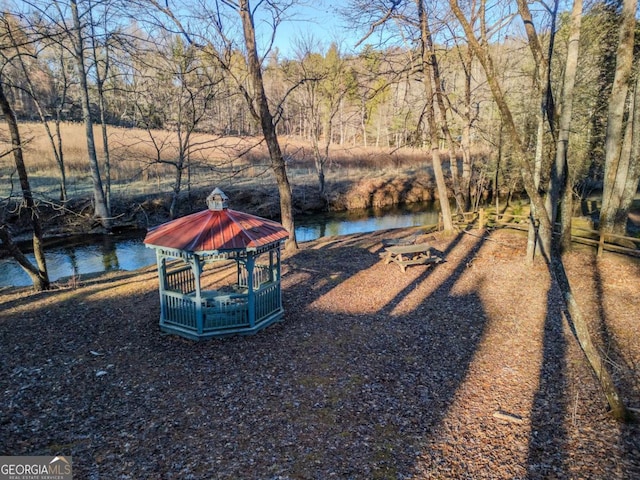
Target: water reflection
363 221
110 254
114 253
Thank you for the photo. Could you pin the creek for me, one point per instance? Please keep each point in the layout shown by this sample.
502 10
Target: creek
105 253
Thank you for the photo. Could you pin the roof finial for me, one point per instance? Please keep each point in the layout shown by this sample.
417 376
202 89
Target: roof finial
217 200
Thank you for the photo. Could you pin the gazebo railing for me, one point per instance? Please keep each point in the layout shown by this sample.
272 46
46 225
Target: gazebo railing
261 275
267 301
179 310
181 280
220 312
226 311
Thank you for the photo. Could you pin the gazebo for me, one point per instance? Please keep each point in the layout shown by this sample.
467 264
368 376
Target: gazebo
186 245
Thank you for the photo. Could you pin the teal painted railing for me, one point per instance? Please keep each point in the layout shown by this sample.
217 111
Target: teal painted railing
225 312
261 275
181 280
179 310
221 311
267 301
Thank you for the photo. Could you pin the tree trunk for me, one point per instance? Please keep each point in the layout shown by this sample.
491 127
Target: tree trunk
439 96
566 213
496 182
100 79
105 152
562 188
626 183
268 128
363 123
38 273
532 234
60 159
101 212
59 109
428 78
615 176
177 186
465 185
542 79
618 408
319 162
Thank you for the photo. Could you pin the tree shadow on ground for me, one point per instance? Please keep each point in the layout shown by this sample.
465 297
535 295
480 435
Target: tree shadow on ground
323 394
548 436
569 393
382 381
83 287
339 389
625 373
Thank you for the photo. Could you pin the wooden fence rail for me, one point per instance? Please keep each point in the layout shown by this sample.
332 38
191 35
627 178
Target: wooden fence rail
603 241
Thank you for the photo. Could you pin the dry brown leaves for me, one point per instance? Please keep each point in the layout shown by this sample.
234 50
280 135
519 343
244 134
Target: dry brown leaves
462 370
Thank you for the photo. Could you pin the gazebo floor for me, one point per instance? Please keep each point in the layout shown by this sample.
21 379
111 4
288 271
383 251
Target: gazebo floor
220 332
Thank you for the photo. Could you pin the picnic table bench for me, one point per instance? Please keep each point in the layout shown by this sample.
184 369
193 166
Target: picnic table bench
389 242
405 255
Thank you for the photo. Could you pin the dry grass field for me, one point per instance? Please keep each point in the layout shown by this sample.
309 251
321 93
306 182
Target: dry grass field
142 172
141 162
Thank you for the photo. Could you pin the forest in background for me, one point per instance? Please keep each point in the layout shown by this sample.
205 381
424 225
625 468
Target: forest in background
140 75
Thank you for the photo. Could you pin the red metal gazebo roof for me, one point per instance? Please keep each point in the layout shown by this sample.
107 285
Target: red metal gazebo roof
217 228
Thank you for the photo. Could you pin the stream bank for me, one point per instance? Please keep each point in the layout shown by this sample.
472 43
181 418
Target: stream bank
140 212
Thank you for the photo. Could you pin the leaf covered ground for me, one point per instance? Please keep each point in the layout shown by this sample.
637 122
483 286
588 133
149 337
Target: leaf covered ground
465 369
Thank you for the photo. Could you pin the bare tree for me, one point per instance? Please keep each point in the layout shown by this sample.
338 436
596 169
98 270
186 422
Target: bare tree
101 57
564 128
613 215
176 89
37 273
101 210
550 248
430 78
324 81
633 140
546 115
469 116
27 68
260 109
253 89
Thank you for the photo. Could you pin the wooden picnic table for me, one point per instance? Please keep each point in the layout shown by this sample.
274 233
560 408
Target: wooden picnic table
392 242
405 255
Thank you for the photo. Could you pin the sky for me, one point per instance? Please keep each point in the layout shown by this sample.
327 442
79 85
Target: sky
317 22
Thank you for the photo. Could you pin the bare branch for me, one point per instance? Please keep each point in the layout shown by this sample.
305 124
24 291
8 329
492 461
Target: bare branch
383 20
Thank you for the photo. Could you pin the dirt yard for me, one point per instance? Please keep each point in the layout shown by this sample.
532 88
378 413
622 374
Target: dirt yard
465 370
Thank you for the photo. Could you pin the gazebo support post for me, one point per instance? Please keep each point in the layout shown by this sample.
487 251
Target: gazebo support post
250 293
278 278
271 272
238 272
162 280
196 266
